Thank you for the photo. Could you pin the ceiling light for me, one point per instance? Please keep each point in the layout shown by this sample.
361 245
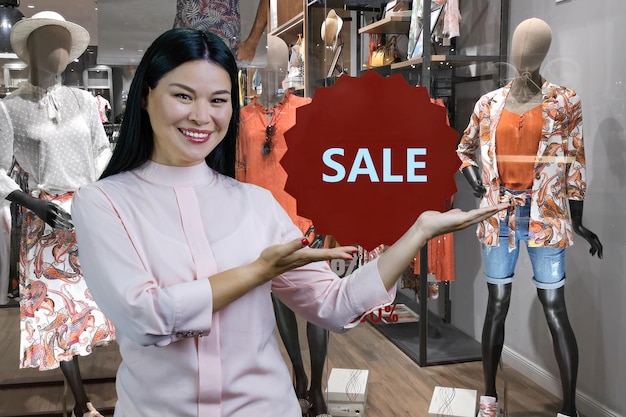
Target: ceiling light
9 15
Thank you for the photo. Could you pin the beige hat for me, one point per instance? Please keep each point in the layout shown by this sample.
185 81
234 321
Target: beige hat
331 28
23 28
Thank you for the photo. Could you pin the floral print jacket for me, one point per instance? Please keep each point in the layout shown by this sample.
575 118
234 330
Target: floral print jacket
218 16
559 171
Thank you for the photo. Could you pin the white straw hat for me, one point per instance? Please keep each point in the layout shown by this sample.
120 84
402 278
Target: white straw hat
331 27
23 28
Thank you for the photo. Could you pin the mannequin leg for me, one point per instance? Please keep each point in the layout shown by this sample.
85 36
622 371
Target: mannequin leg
493 333
564 342
318 348
71 372
288 329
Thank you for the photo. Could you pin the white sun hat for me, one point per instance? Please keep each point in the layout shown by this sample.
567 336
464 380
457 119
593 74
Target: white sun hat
23 28
331 27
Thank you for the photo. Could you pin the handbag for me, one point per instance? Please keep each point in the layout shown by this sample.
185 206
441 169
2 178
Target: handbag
386 54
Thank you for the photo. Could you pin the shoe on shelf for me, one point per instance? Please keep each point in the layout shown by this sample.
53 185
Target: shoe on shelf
487 407
91 412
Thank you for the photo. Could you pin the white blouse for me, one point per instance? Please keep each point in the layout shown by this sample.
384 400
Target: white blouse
56 136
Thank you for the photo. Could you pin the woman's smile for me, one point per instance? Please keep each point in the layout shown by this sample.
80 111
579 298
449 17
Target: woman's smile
195 135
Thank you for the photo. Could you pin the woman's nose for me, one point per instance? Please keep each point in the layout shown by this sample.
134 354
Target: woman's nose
200 112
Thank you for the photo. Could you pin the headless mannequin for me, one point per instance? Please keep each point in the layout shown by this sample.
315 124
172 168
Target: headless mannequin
530 43
49 48
310 394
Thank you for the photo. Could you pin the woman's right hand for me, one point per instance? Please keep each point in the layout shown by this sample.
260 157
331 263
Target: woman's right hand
277 259
231 284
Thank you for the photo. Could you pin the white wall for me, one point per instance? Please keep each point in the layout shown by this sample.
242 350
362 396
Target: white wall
587 54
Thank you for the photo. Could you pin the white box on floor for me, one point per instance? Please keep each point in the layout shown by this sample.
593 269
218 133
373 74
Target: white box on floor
452 402
347 392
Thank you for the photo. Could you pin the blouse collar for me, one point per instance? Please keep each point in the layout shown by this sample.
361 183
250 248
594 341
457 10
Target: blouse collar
175 176
45 97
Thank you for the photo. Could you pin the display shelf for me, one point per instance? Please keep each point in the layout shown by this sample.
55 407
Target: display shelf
290 30
431 341
447 60
389 24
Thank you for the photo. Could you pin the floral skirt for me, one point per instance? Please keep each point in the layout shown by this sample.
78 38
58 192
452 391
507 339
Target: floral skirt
58 317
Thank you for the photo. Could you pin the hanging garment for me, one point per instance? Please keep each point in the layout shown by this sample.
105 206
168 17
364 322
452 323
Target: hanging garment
451 19
440 248
103 107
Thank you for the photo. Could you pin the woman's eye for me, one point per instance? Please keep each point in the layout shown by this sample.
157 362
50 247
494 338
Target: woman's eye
183 96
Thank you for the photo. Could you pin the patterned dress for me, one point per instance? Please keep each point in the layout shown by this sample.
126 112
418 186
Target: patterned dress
57 138
217 16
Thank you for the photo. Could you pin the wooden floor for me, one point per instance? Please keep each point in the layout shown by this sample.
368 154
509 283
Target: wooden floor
396 387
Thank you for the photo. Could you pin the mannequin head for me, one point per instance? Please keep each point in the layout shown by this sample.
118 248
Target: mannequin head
49 49
276 70
47 42
530 45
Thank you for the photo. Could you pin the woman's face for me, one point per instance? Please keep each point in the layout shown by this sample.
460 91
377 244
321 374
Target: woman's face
190 111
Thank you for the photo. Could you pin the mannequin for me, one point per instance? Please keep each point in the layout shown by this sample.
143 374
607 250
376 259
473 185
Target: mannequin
260 164
56 136
545 191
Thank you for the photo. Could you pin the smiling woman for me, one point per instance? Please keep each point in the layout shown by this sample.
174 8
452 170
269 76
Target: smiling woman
184 259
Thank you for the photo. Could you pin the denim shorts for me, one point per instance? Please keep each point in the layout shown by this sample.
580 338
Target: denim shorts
499 261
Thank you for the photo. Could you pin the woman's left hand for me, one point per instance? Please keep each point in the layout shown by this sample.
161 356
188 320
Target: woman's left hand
434 223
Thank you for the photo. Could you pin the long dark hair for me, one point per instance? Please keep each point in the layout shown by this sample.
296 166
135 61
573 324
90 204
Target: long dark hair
170 50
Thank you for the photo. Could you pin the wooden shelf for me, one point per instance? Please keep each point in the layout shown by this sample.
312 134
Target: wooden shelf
451 60
290 30
390 24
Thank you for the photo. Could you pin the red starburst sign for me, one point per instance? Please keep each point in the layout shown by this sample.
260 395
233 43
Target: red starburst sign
367 156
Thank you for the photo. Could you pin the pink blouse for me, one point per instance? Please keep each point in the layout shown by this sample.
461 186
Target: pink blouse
148 240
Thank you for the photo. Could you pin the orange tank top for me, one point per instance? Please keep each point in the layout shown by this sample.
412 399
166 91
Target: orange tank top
517 142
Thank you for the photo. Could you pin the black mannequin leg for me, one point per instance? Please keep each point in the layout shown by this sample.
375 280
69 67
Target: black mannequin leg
318 347
493 333
288 329
71 371
564 342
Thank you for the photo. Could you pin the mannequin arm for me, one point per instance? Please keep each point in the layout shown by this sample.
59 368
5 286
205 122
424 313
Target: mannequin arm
576 210
472 175
49 212
247 48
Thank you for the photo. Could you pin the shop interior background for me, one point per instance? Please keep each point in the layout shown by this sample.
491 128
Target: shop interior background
587 55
